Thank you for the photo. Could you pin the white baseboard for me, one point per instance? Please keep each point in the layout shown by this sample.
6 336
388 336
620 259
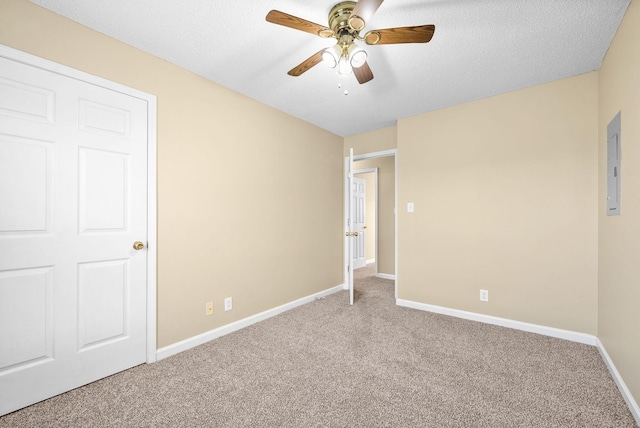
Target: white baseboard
386 276
587 339
626 394
194 341
371 261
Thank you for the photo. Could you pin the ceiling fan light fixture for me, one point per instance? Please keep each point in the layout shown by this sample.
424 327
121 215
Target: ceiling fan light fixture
331 56
344 67
357 56
346 20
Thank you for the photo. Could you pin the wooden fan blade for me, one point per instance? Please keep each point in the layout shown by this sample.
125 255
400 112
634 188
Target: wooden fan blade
281 18
363 73
305 65
362 13
388 36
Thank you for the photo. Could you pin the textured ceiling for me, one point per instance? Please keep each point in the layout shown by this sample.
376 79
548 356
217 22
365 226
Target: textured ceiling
480 48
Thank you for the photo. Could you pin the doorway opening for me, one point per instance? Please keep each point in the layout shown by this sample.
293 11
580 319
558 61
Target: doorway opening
382 230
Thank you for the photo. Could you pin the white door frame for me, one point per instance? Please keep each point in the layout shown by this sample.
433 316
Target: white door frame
375 201
373 155
32 60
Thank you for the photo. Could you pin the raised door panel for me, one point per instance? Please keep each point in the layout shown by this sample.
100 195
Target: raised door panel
26 187
103 191
104 119
103 295
359 253
26 318
25 101
359 220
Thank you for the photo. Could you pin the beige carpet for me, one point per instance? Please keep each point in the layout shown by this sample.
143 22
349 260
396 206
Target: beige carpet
374 364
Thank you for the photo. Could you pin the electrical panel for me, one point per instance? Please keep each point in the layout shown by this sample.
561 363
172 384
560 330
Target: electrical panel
613 166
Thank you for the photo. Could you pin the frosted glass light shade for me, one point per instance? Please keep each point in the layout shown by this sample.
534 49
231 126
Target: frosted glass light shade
330 57
343 66
357 56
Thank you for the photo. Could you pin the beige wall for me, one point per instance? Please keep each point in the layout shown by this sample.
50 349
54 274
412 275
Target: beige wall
370 142
619 270
386 203
234 202
505 193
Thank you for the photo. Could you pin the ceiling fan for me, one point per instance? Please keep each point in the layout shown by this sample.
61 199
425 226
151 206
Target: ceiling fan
346 21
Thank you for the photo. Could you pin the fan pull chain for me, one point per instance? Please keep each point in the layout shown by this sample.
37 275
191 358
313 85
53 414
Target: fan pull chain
346 92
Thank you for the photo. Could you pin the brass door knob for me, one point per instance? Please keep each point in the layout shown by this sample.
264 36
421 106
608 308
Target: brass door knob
351 234
364 227
138 245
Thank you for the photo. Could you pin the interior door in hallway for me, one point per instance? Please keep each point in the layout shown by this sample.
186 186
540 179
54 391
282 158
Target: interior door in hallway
73 200
349 226
358 214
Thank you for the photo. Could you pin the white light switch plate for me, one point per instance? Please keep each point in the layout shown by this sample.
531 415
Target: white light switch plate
410 207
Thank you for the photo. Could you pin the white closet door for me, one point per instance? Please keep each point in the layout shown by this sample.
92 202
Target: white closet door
73 198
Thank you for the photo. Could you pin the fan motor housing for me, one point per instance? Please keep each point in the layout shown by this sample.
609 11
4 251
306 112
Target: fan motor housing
339 17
